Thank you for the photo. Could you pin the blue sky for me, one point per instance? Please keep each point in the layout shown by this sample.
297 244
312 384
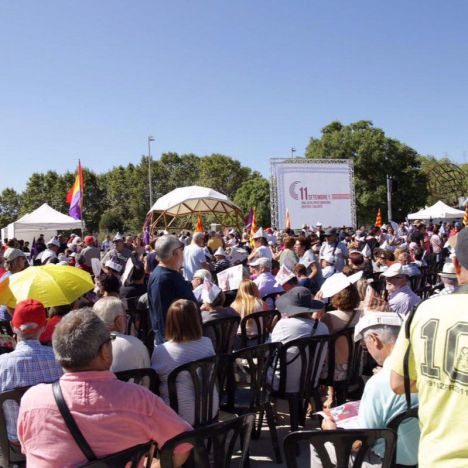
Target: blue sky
248 78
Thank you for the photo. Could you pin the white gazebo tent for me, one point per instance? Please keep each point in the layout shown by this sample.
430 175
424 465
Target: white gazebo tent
44 220
438 211
188 202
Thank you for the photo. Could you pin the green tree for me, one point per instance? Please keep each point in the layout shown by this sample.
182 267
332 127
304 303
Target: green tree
375 156
222 173
10 202
255 193
111 221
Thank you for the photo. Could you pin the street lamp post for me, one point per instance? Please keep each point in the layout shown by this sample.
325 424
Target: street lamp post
150 184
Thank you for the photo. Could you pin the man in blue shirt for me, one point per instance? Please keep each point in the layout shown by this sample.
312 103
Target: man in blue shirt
30 363
166 284
379 331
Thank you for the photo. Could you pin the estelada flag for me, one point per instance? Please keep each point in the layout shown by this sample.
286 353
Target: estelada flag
75 195
288 220
378 220
253 227
465 218
199 226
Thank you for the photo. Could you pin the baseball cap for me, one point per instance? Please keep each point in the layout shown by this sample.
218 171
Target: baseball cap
118 237
89 239
12 254
394 270
298 301
261 262
461 248
375 318
29 316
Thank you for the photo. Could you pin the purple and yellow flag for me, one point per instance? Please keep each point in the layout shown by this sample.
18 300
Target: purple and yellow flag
75 195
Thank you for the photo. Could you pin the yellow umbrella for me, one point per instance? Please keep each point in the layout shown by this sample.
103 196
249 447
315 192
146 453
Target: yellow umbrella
6 296
53 285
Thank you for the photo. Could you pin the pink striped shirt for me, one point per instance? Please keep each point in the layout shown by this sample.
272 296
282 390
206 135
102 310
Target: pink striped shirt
112 415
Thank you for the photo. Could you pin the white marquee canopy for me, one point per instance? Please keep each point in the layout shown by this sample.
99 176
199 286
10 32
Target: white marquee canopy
437 211
191 201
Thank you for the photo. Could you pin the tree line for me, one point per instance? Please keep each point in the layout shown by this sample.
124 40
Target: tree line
118 199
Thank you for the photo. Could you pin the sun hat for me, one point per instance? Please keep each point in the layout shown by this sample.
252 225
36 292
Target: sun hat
298 301
54 241
396 269
375 318
330 232
202 274
283 276
259 233
29 316
118 237
337 282
113 265
448 271
220 252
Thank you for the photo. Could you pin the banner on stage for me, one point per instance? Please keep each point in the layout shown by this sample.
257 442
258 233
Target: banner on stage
312 191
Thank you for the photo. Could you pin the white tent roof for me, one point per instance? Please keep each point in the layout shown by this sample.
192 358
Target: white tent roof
437 211
46 218
194 199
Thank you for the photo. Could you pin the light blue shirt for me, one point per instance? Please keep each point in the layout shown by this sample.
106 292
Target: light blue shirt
403 300
379 405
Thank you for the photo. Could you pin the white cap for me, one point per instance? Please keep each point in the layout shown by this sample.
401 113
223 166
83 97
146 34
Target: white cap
202 274
220 251
209 292
366 251
238 255
283 276
113 265
375 318
54 241
117 237
261 262
318 223
337 282
259 233
397 269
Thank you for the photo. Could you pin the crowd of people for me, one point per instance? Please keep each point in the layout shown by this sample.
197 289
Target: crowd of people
321 280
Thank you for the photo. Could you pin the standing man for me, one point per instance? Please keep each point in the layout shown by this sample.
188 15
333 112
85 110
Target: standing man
50 255
334 248
90 252
194 256
166 284
434 343
118 253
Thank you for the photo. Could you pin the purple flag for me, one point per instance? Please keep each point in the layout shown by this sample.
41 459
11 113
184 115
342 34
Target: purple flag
146 231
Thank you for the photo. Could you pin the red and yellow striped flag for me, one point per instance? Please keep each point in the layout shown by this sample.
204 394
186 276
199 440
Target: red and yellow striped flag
378 220
288 220
199 226
253 227
465 218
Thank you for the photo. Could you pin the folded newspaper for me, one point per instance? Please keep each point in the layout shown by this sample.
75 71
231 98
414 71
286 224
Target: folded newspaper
345 416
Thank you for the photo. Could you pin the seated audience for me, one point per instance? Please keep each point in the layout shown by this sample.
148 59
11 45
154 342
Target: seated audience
184 343
112 415
400 296
128 351
55 315
297 308
30 363
261 269
379 331
197 281
213 303
248 301
108 285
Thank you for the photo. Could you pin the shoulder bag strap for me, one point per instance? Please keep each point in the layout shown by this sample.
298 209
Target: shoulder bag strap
71 424
314 328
